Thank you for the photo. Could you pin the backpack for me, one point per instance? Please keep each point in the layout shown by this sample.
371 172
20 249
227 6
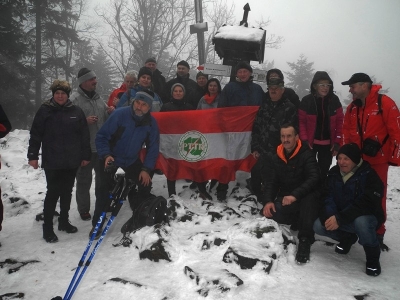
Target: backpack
151 211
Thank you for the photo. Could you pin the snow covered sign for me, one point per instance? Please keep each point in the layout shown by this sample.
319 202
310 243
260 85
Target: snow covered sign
240 43
217 70
259 75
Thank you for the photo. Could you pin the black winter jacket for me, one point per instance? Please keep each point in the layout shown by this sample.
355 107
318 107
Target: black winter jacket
190 89
265 136
176 105
298 175
360 195
63 133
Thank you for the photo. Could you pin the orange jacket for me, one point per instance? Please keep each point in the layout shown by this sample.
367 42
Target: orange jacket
114 94
374 125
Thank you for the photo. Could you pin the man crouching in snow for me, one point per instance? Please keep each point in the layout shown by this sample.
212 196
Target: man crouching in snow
353 209
119 142
292 189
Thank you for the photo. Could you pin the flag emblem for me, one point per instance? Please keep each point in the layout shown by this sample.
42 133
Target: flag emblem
193 146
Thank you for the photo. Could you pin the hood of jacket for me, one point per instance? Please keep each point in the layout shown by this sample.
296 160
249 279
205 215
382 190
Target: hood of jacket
321 75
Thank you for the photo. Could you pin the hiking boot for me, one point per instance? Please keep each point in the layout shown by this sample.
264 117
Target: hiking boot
98 233
383 246
65 225
345 243
49 235
303 251
86 216
221 195
193 185
373 267
203 191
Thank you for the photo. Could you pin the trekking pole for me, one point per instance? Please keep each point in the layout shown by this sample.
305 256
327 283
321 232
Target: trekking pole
113 194
116 208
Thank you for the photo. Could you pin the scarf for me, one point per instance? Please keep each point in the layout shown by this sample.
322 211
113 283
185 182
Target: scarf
210 99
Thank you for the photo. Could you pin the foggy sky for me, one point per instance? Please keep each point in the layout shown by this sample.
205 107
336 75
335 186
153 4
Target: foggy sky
341 37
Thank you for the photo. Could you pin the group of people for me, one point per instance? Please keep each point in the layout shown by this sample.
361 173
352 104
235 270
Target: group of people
293 142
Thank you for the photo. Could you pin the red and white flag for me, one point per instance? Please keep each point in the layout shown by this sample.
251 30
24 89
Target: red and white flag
205 144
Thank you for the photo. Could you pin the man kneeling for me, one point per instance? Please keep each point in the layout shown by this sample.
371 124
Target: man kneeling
352 209
291 193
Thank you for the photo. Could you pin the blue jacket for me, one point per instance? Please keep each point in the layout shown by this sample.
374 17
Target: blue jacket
126 99
123 135
241 94
360 195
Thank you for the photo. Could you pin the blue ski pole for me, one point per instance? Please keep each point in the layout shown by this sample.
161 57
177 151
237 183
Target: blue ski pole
117 206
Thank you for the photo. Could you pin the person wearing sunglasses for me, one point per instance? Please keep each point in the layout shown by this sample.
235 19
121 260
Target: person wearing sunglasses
321 121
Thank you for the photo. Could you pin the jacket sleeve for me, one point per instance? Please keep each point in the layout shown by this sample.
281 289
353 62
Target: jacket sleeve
256 131
103 136
271 182
291 116
311 177
153 147
366 204
223 100
338 121
302 121
347 125
36 135
329 205
391 117
5 125
86 151
123 99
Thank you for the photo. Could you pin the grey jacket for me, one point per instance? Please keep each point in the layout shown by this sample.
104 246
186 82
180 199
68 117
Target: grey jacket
91 107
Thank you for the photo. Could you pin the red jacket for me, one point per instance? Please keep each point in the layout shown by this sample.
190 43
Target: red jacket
308 119
375 126
114 94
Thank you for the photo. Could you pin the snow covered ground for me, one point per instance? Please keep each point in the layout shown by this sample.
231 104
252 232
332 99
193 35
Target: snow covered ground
198 247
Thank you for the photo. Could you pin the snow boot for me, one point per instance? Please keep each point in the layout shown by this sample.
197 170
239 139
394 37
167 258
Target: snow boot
345 243
373 267
49 235
203 191
303 251
65 225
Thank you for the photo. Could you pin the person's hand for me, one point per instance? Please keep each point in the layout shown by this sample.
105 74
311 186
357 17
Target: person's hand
91 119
331 223
107 160
255 154
268 208
110 109
144 178
335 149
115 101
34 163
287 200
84 163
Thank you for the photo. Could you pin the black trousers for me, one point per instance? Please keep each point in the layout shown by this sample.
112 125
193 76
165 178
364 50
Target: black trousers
301 213
107 184
59 186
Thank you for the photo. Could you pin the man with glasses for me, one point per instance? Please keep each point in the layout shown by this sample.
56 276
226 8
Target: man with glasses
372 121
321 121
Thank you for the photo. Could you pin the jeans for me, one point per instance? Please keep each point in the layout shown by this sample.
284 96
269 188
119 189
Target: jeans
364 227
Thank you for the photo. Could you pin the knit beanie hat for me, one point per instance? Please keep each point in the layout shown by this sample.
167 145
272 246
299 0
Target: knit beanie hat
183 63
244 65
178 84
146 96
276 71
352 151
85 74
151 59
201 74
62 85
145 71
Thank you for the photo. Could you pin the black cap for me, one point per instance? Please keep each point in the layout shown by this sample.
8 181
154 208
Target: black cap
276 81
357 77
145 71
352 151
